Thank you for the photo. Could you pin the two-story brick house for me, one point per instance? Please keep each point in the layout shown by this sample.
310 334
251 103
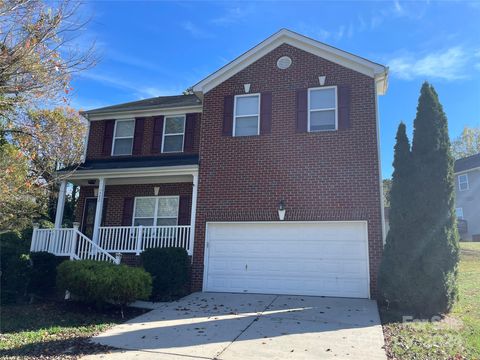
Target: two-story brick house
268 174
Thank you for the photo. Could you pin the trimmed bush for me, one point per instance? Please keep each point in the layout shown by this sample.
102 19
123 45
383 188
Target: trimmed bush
170 270
43 273
14 267
101 282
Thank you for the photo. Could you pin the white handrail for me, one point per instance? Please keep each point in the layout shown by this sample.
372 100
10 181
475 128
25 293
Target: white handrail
86 249
112 239
135 239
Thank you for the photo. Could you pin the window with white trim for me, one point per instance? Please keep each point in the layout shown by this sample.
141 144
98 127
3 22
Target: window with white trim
322 109
156 211
246 115
459 212
463 182
173 133
123 137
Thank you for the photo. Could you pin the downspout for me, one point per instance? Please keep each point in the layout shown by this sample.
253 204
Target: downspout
87 136
382 206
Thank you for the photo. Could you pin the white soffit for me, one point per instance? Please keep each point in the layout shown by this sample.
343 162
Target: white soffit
284 36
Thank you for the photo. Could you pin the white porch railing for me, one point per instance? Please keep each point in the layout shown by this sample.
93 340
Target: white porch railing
68 242
135 239
111 239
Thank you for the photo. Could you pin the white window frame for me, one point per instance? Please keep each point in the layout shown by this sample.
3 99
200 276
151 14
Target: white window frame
123 137
174 134
459 210
460 183
242 116
155 212
325 109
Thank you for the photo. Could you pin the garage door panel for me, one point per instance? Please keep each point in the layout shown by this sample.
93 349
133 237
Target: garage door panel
328 259
289 248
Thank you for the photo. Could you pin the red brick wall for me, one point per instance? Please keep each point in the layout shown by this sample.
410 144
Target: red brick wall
97 128
321 176
116 194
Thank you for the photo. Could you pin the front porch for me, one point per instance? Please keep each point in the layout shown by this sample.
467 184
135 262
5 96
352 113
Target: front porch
122 211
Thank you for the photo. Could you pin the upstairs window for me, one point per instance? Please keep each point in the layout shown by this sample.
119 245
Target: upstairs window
459 212
246 115
463 182
123 137
173 133
156 211
322 109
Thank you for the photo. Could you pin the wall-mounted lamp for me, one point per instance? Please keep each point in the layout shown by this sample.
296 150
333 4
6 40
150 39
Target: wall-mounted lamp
321 80
156 189
91 182
95 192
281 210
246 87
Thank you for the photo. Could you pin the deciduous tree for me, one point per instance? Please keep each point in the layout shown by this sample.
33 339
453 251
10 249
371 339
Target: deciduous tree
467 144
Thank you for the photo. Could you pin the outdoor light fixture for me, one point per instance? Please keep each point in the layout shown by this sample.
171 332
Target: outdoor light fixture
246 87
321 80
281 210
91 182
95 192
156 189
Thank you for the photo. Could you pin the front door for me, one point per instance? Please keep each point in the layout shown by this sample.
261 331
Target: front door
89 215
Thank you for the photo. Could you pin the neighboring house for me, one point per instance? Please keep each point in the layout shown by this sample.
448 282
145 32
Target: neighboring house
289 128
467 203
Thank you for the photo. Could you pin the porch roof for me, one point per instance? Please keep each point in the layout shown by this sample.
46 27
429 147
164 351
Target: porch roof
145 170
133 162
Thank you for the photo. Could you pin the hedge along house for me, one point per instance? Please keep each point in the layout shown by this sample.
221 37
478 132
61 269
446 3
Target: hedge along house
268 174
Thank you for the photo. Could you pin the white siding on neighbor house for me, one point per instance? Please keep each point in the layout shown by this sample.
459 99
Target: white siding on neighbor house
469 201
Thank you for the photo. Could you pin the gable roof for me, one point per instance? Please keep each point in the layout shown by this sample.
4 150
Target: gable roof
377 71
160 102
467 163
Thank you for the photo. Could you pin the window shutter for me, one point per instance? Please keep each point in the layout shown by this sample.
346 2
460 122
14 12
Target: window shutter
127 211
138 136
343 107
157 134
266 113
302 110
184 210
190 132
108 137
104 211
227 115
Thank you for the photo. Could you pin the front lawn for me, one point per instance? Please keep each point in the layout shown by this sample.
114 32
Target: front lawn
54 330
457 336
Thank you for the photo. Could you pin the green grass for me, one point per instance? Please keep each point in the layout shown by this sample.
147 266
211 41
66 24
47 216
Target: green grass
457 336
54 330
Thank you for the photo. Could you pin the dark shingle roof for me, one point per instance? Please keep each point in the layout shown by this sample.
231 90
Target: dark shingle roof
139 162
160 102
467 163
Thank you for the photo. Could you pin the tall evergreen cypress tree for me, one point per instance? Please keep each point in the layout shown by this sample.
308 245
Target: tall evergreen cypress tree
419 265
435 255
393 279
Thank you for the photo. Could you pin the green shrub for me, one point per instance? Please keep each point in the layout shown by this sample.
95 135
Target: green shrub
101 282
170 269
43 273
14 267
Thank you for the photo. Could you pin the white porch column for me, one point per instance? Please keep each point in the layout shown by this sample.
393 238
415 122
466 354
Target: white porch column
99 209
193 212
60 204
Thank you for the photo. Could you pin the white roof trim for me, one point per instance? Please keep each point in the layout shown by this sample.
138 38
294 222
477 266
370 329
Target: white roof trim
131 172
129 114
284 36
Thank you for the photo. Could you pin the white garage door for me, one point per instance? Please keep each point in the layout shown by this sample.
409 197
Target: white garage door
310 258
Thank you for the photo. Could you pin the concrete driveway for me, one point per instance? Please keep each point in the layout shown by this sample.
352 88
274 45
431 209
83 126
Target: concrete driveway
249 326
